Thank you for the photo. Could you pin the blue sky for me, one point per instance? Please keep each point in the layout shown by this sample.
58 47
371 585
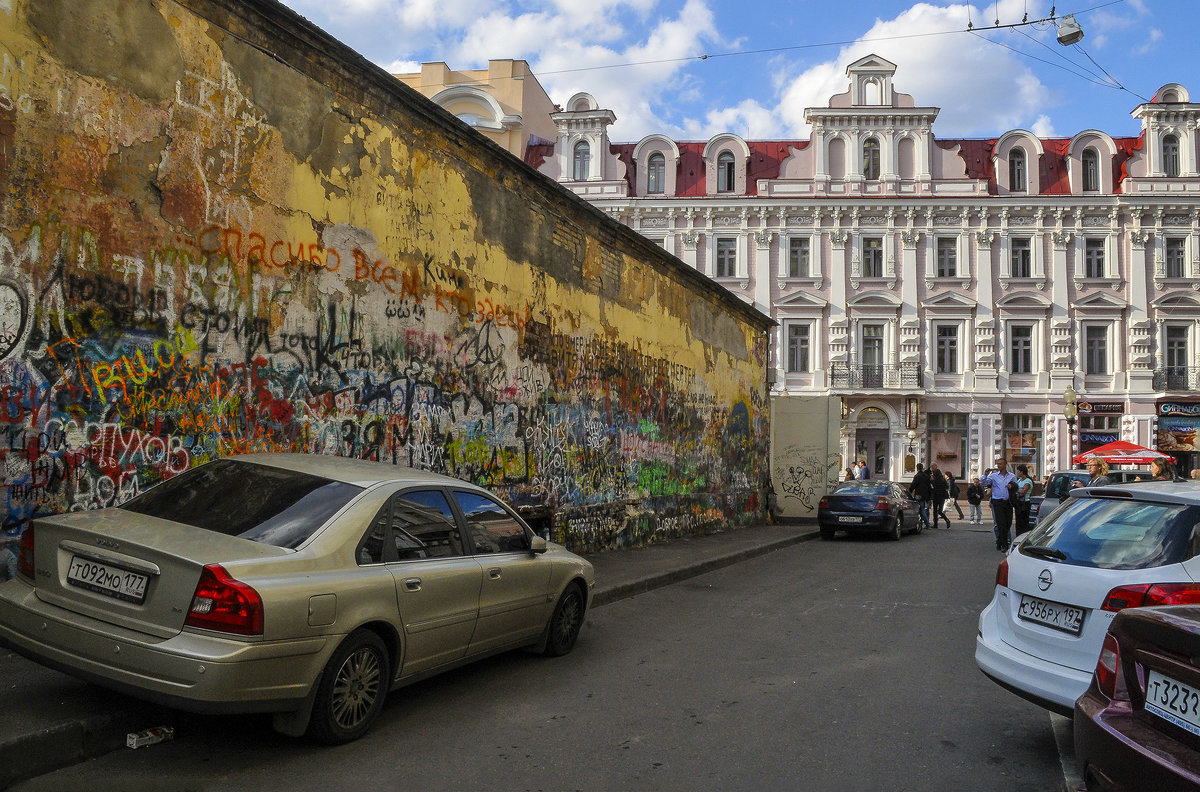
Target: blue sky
769 59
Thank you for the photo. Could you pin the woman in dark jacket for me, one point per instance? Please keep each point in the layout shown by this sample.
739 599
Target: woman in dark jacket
940 491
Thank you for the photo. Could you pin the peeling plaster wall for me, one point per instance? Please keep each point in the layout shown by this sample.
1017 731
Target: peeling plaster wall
221 231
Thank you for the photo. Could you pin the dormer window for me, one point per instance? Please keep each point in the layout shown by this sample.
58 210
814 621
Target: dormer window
725 172
1091 170
656 174
870 156
1170 153
1016 170
582 162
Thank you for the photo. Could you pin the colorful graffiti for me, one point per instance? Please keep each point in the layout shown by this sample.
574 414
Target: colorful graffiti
135 344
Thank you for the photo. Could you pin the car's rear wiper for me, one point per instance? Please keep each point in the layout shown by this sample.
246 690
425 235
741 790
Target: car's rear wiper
1045 552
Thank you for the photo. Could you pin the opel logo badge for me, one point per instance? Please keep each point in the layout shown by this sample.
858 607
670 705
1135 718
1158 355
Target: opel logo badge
1045 579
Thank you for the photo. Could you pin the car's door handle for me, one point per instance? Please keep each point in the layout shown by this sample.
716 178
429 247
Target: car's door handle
494 573
413 584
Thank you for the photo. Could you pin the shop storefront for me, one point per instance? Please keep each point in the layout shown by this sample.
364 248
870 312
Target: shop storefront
1178 425
948 442
1024 443
1099 423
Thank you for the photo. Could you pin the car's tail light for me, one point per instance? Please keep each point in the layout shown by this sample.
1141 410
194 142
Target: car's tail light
1147 594
25 553
1108 670
224 604
823 504
882 504
1002 574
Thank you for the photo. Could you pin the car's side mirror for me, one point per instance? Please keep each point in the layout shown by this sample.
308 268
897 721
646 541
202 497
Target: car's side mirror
537 545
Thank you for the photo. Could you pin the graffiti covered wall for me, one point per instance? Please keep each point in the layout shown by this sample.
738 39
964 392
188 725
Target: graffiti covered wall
217 237
805 456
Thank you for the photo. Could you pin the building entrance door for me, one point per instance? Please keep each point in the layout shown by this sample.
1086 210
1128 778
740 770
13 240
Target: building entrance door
871 442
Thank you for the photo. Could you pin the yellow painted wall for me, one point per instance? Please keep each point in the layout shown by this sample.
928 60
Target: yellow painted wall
222 231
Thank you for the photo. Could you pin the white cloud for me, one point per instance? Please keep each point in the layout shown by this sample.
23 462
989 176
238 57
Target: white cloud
1043 127
402 67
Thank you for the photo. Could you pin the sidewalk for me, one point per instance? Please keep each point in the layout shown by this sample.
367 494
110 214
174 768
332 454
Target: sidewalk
50 720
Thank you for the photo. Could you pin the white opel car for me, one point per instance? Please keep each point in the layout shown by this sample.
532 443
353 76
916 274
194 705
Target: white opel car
1061 585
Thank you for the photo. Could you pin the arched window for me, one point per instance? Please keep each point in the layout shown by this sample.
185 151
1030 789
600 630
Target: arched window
1091 169
1016 170
1170 152
583 161
871 159
725 173
656 174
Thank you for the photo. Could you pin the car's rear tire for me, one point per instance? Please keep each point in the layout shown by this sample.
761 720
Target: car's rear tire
897 529
565 623
351 690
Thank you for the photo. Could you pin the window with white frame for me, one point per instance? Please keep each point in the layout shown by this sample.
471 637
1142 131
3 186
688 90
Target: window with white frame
798 347
798 257
1176 353
946 349
1091 169
871 159
1020 349
726 257
1093 258
1016 170
1170 155
947 257
583 161
1021 257
725 172
656 172
1175 257
1095 349
872 257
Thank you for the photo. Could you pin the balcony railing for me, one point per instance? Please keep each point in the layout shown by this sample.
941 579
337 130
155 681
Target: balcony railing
905 375
1177 378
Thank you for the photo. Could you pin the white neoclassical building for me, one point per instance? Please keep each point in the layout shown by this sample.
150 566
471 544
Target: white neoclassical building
945 292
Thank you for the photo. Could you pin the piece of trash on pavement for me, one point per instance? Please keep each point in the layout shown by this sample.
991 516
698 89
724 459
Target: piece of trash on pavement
149 736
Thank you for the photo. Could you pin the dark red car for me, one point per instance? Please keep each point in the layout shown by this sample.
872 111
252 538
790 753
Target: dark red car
1138 726
869 506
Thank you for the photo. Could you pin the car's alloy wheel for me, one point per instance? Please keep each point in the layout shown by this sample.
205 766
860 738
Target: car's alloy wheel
352 689
565 623
897 528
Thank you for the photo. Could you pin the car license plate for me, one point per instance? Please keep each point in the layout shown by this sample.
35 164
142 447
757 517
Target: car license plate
1051 614
1173 701
846 519
106 579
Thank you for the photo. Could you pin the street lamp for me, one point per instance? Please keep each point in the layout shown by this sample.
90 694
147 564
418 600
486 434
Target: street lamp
1069 412
910 459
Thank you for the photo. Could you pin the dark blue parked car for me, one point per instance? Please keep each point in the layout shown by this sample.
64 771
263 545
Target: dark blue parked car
870 506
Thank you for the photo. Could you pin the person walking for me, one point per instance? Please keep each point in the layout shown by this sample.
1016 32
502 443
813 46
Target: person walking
920 490
1024 493
1002 509
940 491
849 476
864 472
953 482
975 502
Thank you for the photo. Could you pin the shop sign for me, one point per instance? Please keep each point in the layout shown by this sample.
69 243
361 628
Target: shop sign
1178 432
1098 438
1179 408
1110 408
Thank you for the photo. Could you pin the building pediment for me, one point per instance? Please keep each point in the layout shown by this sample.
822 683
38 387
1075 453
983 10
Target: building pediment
1024 300
876 299
1186 302
950 301
1100 302
801 300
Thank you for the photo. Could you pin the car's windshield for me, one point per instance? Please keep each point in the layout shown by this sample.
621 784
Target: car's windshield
257 502
1118 533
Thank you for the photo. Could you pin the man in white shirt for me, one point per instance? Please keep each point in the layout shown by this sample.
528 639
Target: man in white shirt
1002 508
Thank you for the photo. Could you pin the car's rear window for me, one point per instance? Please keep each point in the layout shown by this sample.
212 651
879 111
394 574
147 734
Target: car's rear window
1119 533
861 488
257 502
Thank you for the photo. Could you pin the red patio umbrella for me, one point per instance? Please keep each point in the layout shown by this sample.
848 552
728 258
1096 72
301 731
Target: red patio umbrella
1122 453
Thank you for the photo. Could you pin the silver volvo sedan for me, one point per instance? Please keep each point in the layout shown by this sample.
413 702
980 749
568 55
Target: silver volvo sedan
304 586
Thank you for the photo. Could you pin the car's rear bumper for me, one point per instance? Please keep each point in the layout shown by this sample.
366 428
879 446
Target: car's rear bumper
870 522
1111 750
1046 684
191 671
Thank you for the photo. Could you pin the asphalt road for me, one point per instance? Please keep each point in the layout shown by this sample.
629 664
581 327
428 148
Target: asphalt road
840 666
